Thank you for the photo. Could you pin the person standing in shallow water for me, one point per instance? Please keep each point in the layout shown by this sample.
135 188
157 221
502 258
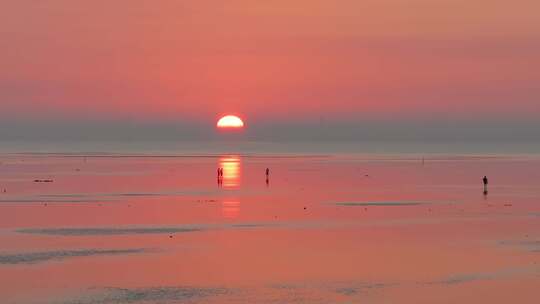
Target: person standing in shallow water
485 181
267 172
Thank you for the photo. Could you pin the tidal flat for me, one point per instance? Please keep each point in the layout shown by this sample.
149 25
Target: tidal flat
318 229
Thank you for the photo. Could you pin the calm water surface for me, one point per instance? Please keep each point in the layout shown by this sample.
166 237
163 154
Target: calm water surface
326 228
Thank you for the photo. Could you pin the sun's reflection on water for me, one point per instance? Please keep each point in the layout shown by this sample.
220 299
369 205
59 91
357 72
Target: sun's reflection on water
231 171
231 165
230 209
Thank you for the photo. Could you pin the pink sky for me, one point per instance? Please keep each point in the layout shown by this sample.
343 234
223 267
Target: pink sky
294 60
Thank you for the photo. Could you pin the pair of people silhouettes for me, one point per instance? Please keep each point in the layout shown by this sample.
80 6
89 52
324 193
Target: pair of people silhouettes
220 176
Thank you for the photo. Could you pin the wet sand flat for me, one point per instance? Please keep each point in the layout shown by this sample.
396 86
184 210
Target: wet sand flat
320 229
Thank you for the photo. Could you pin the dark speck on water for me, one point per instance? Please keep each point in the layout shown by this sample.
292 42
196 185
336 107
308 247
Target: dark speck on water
43 181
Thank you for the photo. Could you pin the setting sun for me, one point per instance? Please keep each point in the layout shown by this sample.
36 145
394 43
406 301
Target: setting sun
230 121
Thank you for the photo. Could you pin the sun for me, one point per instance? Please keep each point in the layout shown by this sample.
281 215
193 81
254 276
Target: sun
230 121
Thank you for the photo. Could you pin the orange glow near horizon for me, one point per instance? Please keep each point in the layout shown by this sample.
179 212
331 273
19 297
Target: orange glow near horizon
230 121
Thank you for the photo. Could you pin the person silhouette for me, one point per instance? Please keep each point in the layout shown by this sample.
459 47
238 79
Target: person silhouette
485 181
267 172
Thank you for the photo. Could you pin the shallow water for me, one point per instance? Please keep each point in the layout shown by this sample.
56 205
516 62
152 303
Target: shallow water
322 229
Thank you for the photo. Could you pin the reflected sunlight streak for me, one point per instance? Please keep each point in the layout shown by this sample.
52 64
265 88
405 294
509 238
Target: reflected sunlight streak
230 209
231 171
